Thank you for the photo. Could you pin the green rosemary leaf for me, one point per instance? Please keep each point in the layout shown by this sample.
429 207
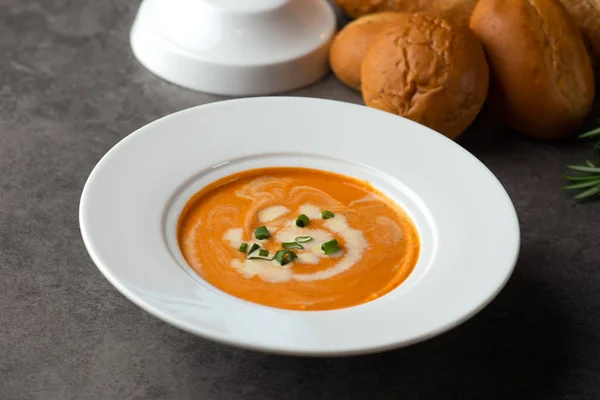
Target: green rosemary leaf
588 193
581 178
589 181
592 133
582 185
583 168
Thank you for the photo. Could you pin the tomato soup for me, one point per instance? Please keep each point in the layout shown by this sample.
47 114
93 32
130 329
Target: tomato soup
298 238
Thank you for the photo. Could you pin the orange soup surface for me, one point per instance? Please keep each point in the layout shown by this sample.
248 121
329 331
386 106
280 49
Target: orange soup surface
377 244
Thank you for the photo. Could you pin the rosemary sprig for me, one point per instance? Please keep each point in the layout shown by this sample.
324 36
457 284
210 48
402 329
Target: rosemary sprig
589 179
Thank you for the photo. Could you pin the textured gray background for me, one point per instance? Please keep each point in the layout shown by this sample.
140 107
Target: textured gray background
70 90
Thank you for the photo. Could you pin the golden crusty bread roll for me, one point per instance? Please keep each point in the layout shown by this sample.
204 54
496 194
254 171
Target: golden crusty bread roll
457 10
428 70
586 14
542 82
351 43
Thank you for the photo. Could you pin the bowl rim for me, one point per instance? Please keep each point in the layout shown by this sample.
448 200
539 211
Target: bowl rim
313 104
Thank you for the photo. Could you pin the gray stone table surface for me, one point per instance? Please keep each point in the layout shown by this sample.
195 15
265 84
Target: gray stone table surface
70 89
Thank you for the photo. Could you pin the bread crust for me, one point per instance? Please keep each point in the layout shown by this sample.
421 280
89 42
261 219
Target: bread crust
457 10
350 45
541 77
586 14
428 70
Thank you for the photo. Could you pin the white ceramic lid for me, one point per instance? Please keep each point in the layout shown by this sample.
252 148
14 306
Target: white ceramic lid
235 47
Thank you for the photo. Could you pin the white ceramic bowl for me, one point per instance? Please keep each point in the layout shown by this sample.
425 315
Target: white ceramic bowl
235 47
467 224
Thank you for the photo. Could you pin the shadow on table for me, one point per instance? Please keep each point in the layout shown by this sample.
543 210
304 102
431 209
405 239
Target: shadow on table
489 135
515 348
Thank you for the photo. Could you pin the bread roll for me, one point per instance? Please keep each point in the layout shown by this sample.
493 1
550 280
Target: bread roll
428 70
351 44
542 80
586 14
457 10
